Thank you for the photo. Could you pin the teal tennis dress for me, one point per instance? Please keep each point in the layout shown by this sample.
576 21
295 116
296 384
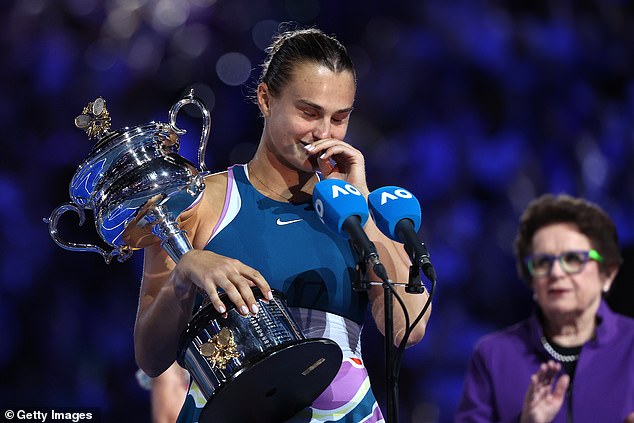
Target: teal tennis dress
314 268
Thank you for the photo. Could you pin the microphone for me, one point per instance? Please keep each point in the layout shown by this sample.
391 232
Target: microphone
341 207
397 214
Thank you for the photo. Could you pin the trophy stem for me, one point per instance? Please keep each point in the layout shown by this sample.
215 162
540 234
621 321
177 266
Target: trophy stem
173 239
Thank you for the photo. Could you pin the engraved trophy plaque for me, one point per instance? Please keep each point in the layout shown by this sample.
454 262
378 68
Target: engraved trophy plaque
134 182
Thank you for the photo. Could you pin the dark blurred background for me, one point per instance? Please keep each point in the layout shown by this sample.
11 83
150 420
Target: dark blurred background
475 106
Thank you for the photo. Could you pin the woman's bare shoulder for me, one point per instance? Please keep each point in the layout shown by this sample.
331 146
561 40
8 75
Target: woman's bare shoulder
200 219
216 184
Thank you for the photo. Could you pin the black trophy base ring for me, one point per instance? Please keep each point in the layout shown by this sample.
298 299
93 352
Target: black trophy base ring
277 387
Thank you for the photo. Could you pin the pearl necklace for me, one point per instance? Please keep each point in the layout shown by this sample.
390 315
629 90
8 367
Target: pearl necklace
557 356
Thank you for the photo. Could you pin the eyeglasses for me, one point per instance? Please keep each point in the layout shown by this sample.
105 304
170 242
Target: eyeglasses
571 262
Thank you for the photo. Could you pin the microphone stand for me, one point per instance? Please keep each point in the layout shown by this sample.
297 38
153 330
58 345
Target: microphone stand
390 380
362 284
414 283
413 286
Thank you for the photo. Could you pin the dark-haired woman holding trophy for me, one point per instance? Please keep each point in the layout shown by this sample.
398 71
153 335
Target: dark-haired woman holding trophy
255 233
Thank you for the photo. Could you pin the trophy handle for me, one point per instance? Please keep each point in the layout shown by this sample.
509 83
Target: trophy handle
204 135
122 253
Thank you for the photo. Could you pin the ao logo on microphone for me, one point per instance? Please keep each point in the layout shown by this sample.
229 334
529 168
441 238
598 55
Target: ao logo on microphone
398 193
337 190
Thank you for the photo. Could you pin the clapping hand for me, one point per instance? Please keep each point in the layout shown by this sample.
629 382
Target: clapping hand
543 401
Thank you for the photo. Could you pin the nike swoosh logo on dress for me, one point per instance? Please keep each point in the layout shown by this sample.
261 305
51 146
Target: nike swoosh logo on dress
281 222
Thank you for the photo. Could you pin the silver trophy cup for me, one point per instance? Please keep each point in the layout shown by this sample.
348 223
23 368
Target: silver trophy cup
134 182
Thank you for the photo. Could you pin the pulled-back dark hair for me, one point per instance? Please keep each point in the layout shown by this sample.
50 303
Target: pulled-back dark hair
588 217
291 48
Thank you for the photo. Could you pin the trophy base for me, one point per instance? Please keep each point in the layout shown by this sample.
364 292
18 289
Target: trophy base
277 387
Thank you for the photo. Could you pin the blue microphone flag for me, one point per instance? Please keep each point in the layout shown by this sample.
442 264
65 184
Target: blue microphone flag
389 205
335 201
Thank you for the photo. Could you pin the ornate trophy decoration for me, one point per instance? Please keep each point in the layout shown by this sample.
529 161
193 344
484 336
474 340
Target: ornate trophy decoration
220 349
135 183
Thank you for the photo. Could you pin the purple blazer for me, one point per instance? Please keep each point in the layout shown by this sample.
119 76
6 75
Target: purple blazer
502 363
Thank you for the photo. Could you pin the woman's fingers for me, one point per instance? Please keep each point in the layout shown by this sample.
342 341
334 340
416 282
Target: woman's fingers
239 297
547 372
213 272
258 280
338 159
216 302
560 388
341 153
237 283
325 167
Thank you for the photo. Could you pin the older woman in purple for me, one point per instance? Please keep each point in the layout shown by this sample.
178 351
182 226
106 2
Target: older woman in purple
572 360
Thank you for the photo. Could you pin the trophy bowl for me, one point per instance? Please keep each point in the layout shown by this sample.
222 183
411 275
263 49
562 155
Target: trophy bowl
134 182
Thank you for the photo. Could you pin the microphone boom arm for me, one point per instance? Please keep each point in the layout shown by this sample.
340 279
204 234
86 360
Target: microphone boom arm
367 253
418 254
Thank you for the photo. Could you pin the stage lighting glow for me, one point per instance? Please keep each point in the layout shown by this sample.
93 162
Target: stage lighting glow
233 68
